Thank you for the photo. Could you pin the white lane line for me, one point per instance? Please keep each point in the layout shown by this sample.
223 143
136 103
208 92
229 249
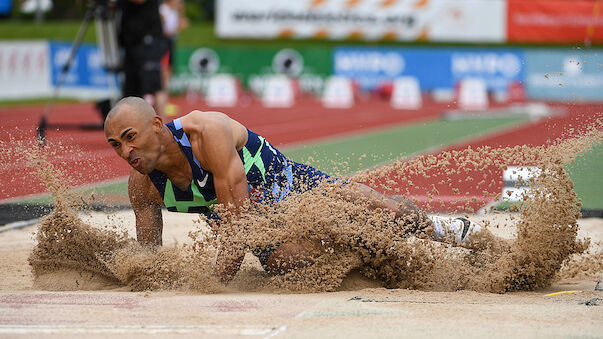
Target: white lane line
278 330
150 329
301 314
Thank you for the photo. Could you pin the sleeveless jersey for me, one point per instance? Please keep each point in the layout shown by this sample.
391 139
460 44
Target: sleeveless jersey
270 175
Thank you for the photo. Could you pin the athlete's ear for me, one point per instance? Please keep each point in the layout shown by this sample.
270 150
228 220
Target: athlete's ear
157 124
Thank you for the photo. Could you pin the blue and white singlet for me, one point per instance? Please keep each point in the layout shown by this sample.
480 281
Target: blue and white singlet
270 175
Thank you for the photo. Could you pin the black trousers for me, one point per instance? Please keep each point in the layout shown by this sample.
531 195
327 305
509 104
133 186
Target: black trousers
142 66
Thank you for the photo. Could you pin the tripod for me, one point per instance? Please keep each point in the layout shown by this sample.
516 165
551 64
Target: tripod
110 59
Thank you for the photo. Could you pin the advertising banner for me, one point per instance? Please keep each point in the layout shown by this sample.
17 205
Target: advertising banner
24 70
433 68
372 67
555 21
251 66
402 20
497 67
86 77
564 75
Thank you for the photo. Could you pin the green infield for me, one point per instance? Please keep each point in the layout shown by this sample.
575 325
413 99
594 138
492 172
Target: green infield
117 187
349 154
588 180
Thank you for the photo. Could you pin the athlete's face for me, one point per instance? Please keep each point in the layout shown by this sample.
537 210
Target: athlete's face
135 139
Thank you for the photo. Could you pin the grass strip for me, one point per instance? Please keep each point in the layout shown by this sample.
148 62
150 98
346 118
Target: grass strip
347 155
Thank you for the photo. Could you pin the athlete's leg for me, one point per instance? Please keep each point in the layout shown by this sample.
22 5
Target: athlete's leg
402 206
410 218
307 177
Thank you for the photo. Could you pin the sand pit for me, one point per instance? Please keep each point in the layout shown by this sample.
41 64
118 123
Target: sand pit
99 308
90 275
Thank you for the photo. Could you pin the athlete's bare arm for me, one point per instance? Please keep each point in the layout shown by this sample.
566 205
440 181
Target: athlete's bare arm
146 203
215 139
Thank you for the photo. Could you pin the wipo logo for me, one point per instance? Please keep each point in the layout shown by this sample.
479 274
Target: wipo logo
389 63
506 64
62 56
94 60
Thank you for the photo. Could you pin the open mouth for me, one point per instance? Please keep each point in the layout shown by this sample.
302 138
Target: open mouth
135 162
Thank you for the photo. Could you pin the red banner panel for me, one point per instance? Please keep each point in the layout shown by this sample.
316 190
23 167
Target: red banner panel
550 21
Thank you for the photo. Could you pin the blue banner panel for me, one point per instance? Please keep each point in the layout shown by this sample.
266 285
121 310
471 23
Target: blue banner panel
86 70
434 68
6 6
564 74
497 67
371 67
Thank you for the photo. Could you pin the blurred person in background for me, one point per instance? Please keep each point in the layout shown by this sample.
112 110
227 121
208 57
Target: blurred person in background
174 21
144 44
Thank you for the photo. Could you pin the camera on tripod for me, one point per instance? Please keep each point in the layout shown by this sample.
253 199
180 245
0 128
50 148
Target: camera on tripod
106 34
103 12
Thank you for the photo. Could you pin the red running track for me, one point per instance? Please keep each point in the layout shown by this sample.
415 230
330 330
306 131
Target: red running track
88 158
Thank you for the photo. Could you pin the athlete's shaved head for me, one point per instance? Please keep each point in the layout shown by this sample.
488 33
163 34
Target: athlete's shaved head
133 129
134 106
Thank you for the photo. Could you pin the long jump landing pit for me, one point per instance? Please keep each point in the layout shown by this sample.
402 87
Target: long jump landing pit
95 308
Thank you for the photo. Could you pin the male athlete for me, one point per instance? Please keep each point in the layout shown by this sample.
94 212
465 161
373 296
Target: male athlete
204 158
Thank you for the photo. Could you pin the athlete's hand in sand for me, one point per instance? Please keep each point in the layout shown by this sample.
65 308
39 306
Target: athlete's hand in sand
229 261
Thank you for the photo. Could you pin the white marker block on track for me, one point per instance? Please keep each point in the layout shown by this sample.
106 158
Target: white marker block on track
473 94
516 179
338 93
222 91
278 92
406 94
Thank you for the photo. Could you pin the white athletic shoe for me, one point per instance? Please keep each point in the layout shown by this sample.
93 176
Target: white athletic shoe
458 228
